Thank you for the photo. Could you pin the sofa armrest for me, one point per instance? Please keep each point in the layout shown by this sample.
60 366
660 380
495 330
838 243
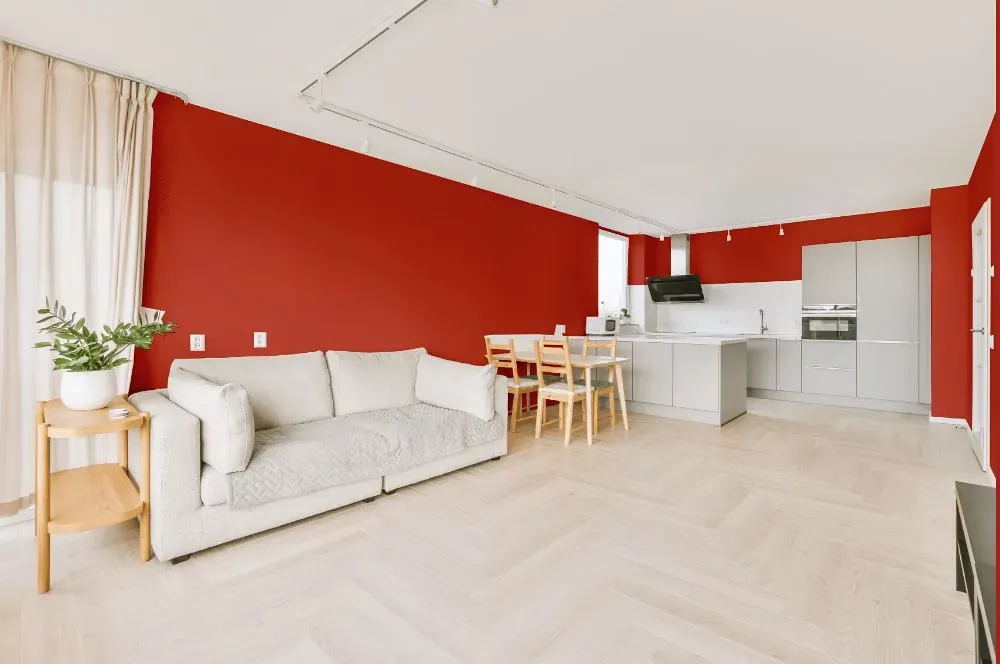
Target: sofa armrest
174 472
500 397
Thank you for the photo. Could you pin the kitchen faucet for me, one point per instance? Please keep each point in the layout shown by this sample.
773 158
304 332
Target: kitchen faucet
763 326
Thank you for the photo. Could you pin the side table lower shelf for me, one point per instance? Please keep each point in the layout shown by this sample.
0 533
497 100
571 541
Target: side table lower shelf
91 497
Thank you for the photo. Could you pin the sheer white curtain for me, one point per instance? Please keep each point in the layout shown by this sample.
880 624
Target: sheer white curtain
74 180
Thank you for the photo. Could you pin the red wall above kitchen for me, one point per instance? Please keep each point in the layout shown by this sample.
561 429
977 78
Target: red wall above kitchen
761 254
253 229
647 257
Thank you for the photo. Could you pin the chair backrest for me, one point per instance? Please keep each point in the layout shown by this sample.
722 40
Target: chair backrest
552 357
610 345
494 348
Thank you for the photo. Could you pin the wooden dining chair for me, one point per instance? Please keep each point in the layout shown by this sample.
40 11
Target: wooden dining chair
518 386
552 357
600 385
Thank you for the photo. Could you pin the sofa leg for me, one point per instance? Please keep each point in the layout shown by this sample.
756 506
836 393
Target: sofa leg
179 559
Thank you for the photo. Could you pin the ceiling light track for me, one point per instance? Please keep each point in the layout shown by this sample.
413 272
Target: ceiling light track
478 164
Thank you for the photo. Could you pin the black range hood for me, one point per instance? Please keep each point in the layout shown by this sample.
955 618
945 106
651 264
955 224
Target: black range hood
680 288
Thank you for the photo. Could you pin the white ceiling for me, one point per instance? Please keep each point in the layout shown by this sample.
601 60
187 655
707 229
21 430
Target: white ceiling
696 114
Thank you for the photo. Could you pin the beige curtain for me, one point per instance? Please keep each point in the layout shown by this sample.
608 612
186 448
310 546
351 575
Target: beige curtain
75 150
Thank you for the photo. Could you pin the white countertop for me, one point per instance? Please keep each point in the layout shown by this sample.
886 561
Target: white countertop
692 339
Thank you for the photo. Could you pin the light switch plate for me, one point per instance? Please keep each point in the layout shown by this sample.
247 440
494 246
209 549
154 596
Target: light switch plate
198 343
260 339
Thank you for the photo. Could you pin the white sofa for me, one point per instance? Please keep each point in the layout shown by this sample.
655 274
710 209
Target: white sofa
307 457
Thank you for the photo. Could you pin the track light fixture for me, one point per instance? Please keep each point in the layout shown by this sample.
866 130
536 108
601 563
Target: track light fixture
781 229
661 237
366 145
729 235
475 178
552 201
318 101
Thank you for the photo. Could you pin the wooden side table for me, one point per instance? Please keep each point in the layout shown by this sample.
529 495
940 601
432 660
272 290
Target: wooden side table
72 501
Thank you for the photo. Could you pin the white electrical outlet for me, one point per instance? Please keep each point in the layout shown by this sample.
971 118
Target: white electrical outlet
260 339
198 343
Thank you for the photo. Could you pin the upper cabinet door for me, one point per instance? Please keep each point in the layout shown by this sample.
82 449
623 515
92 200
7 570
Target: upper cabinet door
889 290
829 274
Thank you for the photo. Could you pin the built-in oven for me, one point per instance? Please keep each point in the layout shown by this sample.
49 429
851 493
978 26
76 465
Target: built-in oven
834 322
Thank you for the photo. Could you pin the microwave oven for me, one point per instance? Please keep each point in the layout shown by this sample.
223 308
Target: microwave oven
602 326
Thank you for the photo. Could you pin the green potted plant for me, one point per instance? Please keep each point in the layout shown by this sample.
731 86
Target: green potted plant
86 358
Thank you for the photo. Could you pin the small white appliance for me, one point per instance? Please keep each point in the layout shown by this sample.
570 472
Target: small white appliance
602 326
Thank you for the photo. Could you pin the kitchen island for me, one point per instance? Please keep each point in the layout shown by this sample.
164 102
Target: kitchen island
685 377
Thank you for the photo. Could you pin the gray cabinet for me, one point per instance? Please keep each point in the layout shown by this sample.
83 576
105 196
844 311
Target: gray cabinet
829 367
829 274
832 382
789 366
829 354
762 363
652 373
696 376
925 318
888 371
889 290
625 350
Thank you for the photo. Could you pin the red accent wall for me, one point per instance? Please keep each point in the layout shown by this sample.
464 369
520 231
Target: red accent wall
985 184
253 229
761 254
647 257
951 304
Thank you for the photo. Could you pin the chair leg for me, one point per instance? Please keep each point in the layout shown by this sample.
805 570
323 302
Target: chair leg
539 414
515 409
596 401
562 415
569 420
612 408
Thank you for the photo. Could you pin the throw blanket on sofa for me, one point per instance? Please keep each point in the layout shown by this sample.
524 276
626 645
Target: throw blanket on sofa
298 459
421 432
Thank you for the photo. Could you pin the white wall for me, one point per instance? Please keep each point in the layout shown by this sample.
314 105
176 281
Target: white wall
733 308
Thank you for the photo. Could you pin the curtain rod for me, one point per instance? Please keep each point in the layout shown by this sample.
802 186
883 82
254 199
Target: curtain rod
159 88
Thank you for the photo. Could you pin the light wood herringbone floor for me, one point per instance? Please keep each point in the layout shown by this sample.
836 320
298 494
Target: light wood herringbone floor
796 534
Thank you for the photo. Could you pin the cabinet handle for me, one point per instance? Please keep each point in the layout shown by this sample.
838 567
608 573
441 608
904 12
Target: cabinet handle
978 330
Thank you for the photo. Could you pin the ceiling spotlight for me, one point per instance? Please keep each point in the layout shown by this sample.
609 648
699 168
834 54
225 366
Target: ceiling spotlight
729 236
318 101
552 201
661 237
475 178
781 229
367 143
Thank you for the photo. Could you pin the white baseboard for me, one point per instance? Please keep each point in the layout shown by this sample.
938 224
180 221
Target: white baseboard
953 421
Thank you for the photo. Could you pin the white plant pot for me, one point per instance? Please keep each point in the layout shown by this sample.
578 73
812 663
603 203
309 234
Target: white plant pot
87 390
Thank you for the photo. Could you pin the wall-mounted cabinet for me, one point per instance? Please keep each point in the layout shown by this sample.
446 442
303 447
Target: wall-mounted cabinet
829 274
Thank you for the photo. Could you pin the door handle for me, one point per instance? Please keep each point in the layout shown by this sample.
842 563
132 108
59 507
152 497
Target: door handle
978 330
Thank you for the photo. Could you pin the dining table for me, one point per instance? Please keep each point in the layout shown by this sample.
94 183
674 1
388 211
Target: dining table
587 363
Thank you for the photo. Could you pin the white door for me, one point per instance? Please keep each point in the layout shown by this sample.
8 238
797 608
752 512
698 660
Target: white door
981 337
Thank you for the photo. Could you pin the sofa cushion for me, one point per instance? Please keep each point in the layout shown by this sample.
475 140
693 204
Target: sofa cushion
373 381
302 458
227 431
422 432
283 389
457 386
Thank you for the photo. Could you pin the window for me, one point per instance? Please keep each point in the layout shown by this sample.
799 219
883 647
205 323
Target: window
612 273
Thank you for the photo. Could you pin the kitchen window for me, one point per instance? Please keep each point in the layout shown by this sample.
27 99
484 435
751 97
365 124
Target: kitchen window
612 273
